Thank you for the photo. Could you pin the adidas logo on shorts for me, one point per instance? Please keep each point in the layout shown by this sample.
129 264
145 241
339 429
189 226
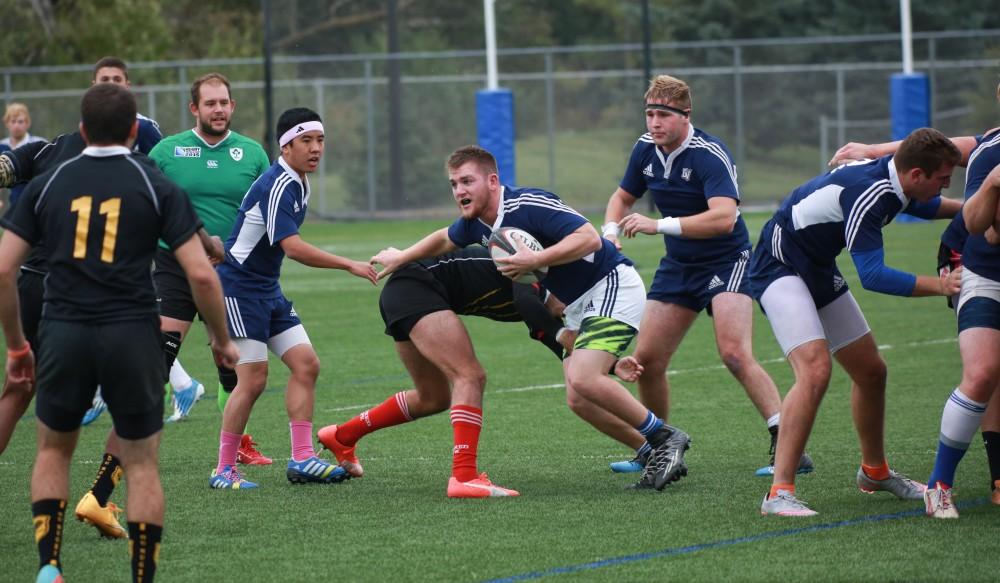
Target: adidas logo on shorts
716 282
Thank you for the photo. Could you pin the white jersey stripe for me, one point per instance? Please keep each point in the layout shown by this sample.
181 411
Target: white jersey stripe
721 155
861 206
273 200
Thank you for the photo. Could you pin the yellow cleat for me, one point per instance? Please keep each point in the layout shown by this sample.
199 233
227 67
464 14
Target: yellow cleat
103 518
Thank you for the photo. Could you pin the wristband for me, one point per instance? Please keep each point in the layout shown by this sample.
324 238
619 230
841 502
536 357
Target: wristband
610 228
20 351
669 226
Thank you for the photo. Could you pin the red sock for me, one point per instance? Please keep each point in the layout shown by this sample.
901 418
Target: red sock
466 423
879 472
391 412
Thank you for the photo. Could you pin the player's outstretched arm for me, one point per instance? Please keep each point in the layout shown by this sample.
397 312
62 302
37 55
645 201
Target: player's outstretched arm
434 244
981 210
207 293
295 247
619 205
854 151
20 360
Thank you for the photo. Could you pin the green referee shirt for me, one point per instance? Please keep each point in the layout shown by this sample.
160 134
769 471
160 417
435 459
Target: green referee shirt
215 178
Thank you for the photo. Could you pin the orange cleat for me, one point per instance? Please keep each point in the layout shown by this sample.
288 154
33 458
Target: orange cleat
249 455
344 454
481 487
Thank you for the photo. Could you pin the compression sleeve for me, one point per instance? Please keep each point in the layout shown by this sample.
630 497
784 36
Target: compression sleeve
877 276
924 210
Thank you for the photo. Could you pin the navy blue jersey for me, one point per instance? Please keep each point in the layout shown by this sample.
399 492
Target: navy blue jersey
273 209
845 208
16 189
549 220
977 254
149 134
681 183
955 233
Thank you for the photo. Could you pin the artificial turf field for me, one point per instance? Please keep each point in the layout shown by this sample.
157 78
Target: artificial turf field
574 518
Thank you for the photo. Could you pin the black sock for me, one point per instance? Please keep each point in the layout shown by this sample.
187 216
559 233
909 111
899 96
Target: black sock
48 518
144 548
107 478
991 440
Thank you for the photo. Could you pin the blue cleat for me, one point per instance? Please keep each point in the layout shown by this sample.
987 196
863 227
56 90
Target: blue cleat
805 466
634 465
315 470
185 399
96 408
49 574
229 479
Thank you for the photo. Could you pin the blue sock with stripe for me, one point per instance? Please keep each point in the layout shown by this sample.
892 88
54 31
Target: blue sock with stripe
959 423
651 425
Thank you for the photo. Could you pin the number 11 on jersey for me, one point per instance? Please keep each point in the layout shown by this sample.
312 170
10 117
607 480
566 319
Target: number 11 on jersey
111 208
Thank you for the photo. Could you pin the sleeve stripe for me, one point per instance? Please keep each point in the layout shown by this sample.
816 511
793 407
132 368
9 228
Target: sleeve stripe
149 185
979 150
530 199
41 195
721 155
273 199
861 206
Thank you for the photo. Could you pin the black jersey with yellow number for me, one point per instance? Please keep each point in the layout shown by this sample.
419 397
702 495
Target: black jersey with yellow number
473 285
101 215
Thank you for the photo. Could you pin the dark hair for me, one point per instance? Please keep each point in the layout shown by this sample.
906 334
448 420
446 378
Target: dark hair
108 113
927 149
111 62
208 78
294 116
481 156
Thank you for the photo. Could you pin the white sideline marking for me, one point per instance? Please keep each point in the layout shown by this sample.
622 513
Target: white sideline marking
669 372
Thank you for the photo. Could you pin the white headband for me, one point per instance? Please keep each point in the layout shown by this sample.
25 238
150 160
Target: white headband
297 130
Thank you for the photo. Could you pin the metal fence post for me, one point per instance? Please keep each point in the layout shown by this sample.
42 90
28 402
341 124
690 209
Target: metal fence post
841 107
182 79
823 141
320 102
550 119
370 135
738 103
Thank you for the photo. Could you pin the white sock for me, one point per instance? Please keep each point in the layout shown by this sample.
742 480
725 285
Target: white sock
773 420
179 378
960 420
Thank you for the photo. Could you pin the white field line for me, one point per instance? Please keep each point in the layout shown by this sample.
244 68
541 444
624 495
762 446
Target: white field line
671 372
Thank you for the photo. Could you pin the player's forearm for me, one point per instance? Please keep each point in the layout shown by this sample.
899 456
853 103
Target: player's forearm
437 243
927 285
948 209
619 205
708 224
207 293
980 211
9 318
576 245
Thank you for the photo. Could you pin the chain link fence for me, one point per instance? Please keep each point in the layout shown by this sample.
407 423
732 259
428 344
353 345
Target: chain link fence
781 105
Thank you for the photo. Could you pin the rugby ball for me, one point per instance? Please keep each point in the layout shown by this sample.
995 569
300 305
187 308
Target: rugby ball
506 241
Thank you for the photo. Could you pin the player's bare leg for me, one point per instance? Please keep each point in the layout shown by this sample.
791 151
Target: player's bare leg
250 384
732 316
867 370
812 367
14 402
662 329
603 421
586 371
432 393
50 490
300 396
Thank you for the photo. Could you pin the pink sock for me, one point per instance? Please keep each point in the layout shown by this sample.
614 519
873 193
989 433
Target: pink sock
229 443
302 444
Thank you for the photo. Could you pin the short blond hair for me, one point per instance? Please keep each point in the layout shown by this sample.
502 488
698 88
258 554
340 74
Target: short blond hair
670 89
16 110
